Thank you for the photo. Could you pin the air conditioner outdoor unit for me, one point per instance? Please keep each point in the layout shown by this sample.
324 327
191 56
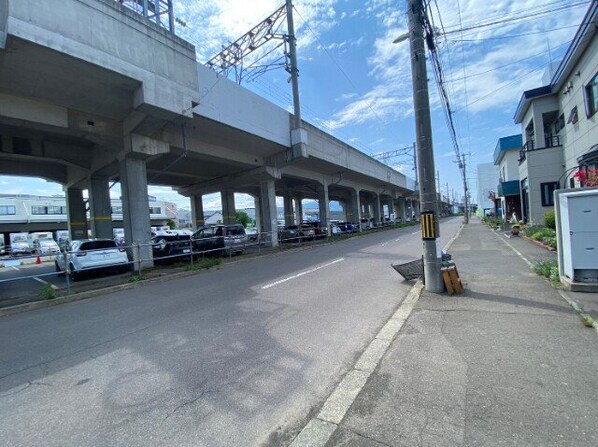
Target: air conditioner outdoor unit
577 233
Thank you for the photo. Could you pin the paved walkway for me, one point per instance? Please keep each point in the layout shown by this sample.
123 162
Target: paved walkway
508 362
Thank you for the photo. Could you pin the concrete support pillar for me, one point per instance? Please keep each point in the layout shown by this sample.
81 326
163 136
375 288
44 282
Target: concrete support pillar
258 213
197 215
355 208
289 215
324 205
77 216
402 209
377 209
100 211
136 216
299 209
228 207
268 208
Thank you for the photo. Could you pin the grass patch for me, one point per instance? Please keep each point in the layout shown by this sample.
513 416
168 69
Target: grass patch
204 264
543 267
587 320
137 278
48 292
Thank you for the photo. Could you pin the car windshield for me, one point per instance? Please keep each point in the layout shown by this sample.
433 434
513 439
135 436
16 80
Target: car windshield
97 245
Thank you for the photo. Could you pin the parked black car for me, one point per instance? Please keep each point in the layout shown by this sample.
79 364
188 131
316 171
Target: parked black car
348 227
296 233
206 242
168 248
220 239
319 230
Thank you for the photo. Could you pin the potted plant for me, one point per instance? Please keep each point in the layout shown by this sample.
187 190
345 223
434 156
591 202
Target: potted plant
515 228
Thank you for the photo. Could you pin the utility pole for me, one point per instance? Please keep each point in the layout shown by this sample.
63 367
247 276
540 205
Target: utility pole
293 69
465 189
425 151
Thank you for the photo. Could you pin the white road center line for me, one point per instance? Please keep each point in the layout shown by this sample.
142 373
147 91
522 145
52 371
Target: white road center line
44 282
267 286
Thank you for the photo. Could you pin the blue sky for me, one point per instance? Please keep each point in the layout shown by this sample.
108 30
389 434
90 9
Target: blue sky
356 84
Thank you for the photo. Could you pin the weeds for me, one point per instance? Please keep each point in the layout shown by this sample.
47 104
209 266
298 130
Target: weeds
548 268
137 278
204 264
48 292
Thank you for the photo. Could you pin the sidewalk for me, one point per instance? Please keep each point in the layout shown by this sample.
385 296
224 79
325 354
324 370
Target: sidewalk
508 362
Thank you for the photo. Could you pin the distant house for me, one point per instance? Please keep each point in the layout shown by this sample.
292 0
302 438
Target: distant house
213 218
506 158
559 123
487 175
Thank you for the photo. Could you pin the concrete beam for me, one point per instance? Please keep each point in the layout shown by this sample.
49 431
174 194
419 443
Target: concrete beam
250 176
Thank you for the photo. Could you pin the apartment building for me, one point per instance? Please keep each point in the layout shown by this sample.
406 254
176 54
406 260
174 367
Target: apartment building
559 124
506 159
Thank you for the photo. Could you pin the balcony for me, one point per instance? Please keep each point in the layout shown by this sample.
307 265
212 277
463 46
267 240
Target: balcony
529 146
508 188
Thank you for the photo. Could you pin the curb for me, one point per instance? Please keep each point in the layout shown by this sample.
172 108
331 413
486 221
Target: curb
320 428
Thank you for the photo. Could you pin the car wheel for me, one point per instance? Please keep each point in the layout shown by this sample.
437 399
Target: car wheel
58 269
73 275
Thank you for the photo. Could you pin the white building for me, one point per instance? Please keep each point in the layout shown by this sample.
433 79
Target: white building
506 158
27 213
559 123
487 177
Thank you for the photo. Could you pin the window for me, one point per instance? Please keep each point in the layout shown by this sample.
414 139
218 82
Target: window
39 210
56 210
8 210
546 190
559 123
573 117
591 96
155 210
116 210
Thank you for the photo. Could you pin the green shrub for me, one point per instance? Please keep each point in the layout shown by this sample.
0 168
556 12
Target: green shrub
544 267
550 241
542 234
530 230
549 220
48 292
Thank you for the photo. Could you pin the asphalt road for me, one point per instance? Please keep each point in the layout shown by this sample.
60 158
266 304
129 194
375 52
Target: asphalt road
234 356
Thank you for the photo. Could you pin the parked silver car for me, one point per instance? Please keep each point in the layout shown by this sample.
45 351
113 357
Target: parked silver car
92 254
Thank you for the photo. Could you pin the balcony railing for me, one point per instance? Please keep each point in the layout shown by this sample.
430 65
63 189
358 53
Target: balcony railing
529 146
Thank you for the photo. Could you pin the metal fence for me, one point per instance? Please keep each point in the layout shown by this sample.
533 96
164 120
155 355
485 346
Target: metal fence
185 252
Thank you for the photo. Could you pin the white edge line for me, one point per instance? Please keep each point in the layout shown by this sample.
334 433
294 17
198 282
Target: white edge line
267 286
15 268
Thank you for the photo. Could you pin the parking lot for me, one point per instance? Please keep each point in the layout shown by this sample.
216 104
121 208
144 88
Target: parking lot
22 280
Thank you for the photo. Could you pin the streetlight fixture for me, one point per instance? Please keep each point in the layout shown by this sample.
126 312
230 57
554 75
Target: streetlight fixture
428 199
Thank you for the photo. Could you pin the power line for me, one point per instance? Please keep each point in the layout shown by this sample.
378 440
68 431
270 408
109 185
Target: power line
511 36
509 19
509 64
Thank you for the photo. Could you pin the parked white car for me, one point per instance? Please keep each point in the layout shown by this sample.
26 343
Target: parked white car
45 247
92 254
